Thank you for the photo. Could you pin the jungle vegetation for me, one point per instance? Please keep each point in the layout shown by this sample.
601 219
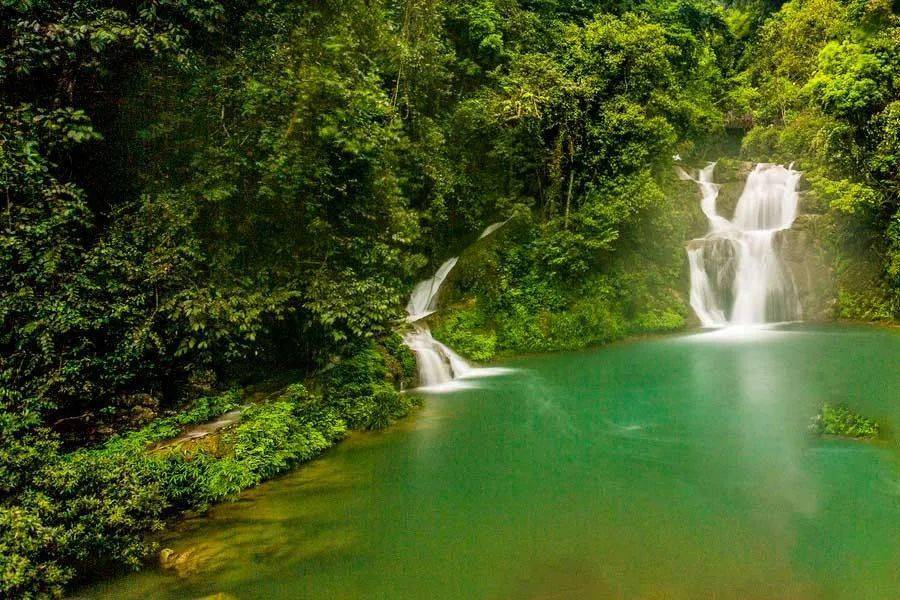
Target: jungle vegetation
195 194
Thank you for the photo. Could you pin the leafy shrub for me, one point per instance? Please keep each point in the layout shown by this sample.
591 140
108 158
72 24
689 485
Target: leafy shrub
63 516
652 321
399 359
81 511
69 514
840 420
388 406
277 435
361 387
463 329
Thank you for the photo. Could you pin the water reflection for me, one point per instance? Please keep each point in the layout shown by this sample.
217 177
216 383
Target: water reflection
674 468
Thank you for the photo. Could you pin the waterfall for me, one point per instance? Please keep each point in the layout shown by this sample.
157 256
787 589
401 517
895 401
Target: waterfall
437 363
709 194
737 276
422 302
492 228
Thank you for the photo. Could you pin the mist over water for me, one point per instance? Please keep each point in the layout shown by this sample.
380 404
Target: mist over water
737 276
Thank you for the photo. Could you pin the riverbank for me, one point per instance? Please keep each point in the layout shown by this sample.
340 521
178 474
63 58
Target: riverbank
95 510
123 493
179 466
223 445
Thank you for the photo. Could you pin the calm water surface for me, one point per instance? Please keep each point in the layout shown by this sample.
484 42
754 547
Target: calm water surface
674 468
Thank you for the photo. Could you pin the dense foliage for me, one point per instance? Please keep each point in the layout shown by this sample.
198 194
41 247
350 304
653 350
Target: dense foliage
506 298
586 126
197 194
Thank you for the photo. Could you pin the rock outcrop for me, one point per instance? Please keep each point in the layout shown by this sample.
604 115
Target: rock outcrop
807 261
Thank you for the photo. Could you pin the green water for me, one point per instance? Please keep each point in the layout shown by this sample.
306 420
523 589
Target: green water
675 468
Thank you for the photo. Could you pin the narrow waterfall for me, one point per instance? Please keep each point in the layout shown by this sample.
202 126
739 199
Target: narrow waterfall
423 300
737 276
437 363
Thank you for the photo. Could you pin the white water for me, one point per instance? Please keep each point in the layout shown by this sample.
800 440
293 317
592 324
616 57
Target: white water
737 277
423 300
438 365
492 228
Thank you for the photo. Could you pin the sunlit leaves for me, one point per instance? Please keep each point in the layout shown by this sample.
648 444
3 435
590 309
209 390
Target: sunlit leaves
850 81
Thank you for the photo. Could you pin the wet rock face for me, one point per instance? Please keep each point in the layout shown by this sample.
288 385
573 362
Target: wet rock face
727 200
733 171
731 175
807 261
720 265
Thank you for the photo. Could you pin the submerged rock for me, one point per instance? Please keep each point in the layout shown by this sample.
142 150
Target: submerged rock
166 555
192 561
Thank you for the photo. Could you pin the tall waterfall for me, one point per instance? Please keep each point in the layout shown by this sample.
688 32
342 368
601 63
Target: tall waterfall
437 363
737 276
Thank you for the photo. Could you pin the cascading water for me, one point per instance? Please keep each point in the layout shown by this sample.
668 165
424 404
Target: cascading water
737 276
423 300
437 363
